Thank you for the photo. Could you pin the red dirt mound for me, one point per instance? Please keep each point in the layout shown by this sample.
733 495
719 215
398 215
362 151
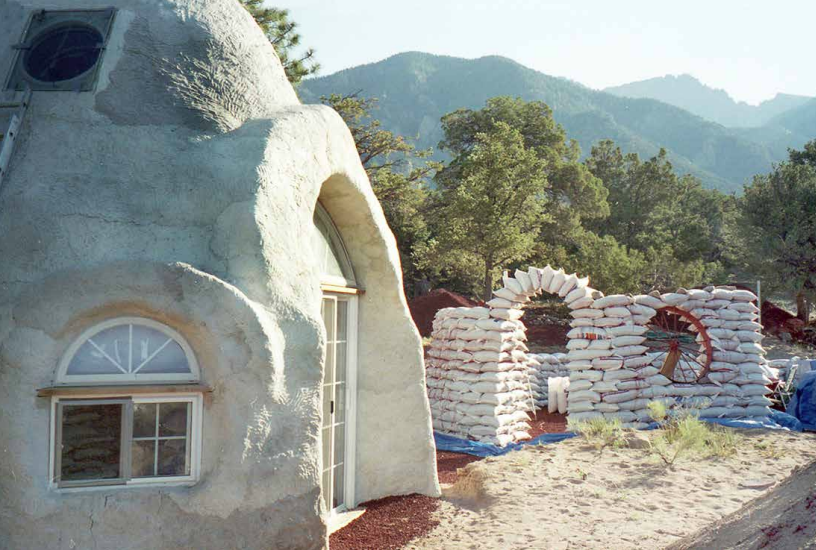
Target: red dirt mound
776 320
423 308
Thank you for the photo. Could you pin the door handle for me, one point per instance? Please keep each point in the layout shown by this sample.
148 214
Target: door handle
331 408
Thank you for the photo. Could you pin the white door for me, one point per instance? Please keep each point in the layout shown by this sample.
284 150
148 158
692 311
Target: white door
339 381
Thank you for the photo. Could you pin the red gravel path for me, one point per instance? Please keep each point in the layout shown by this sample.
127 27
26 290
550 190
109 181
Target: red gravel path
388 524
392 522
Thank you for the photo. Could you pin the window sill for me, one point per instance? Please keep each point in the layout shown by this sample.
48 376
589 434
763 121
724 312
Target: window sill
86 391
124 486
339 289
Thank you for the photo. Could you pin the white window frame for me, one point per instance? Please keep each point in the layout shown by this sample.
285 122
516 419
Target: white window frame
349 460
194 430
65 379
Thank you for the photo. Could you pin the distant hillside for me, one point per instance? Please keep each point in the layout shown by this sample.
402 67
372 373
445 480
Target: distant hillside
416 89
801 120
716 105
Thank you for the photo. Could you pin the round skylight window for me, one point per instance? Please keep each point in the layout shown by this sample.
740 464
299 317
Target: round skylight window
63 53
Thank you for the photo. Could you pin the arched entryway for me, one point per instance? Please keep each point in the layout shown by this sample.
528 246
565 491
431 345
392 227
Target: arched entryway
339 311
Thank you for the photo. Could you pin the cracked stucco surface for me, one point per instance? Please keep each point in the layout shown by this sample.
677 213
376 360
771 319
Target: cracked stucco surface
183 190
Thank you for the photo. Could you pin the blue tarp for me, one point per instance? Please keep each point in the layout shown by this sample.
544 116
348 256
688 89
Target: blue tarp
803 402
475 448
777 421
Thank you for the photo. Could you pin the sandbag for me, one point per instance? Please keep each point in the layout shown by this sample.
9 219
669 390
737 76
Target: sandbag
626 330
507 314
587 313
579 407
577 294
617 312
649 301
607 363
612 301
591 375
557 281
526 283
673 298
608 321
587 332
643 310
569 284
586 395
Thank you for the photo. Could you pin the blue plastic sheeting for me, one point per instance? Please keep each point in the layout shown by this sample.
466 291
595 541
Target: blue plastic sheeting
803 402
777 421
475 448
787 421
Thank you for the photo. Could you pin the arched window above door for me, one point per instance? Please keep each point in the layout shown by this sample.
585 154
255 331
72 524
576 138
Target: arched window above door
329 251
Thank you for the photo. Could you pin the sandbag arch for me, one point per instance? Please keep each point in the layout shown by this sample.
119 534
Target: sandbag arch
523 285
732 331
617 318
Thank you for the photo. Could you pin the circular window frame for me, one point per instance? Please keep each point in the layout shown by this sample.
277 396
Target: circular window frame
64 379
42 35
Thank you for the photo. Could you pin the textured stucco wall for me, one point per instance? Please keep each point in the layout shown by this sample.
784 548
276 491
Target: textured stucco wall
183 190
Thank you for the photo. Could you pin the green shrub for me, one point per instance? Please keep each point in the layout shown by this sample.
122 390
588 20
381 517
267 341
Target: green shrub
657 411
683 433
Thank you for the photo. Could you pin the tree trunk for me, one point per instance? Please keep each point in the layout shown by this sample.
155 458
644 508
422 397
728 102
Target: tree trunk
802 307
487 289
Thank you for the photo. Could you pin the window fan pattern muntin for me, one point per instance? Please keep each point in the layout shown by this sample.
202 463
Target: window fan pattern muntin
329 252
128 350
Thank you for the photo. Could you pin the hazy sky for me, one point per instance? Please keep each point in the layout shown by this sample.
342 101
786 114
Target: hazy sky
752 49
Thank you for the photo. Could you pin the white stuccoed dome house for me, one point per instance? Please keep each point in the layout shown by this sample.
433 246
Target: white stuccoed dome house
203 337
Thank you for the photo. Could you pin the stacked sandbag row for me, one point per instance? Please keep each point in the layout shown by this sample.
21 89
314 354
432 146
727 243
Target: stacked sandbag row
738 366
615 376
544 366
477 376
610 373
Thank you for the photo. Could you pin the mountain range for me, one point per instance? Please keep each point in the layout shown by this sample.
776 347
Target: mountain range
688 93
416 89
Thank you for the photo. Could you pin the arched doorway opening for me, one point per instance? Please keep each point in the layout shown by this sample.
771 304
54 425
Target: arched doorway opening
339 386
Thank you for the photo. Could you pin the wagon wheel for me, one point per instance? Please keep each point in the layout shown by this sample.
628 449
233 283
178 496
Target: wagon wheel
684 359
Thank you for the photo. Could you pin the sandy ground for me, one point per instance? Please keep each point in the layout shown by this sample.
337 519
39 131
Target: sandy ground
569 495
781 519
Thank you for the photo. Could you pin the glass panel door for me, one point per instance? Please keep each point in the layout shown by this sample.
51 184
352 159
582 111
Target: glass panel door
333 430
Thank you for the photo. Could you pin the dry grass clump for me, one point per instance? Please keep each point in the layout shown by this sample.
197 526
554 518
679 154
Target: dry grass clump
600 432
682 433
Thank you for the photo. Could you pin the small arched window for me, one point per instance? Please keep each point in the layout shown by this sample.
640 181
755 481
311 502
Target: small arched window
128 350
329 251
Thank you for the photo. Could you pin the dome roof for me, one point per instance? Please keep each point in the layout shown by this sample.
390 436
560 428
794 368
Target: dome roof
204 64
